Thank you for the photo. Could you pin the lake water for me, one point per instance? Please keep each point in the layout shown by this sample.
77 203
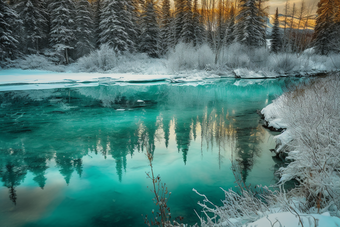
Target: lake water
75 156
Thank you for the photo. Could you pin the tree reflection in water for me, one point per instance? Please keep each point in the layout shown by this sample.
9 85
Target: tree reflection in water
65 125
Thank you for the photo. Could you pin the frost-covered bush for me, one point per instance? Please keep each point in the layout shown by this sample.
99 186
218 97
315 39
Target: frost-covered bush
33 61
187 57
311 114
234 56
284 62
103 59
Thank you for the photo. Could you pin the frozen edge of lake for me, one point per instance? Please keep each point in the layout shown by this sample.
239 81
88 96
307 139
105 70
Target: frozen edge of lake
22 77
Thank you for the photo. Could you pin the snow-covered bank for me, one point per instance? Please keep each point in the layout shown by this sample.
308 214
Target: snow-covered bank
310 115
185 62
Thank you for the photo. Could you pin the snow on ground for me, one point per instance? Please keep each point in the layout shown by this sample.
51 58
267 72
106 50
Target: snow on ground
288 219
14 76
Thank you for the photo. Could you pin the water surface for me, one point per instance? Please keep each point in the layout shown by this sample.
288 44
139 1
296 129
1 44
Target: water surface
76 156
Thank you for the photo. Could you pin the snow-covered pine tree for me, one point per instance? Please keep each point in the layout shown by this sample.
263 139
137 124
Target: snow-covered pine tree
250 26
150 31
323 29
229 34
63 32
85 28
276 41
8 42
199 31
187 34
165 29
336 30
114 26
96 5
221 25
263 15
33 24
179 19
129 20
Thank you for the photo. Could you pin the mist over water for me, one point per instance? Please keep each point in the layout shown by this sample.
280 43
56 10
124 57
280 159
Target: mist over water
75 156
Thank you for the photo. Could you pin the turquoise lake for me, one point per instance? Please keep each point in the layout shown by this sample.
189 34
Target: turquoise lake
75 156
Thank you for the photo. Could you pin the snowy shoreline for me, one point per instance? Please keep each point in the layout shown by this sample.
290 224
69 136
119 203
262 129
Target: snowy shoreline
39 79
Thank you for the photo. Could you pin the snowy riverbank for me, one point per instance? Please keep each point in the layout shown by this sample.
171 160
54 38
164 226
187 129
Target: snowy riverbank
310 117
182 64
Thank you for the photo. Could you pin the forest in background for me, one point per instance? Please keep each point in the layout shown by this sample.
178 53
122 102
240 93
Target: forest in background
66 30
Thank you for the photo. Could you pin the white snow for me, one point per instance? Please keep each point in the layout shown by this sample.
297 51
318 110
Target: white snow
288 219
18 79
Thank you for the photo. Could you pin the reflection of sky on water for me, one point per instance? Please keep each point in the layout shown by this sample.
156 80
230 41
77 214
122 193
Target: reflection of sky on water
68 158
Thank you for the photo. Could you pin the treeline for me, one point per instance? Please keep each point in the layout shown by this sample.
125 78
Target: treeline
65 30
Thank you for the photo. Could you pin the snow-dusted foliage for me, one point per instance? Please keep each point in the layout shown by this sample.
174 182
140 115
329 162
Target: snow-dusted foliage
165 28
186 57
187 34
33 24
276 41
100 60
311 114
197 20
36 61
8 41
63 26
250 28
106 59
326 39
85 28
115 26
150 31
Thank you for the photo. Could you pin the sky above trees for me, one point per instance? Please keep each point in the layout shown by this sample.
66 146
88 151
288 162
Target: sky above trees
273 4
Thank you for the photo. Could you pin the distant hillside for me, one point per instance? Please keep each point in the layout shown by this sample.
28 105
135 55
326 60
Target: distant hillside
310 23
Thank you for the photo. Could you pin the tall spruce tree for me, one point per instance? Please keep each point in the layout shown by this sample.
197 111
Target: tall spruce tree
115 26
34 24
165 30
276 41
63 32
150 31
250 25
8 42
96 5
129 21
199 31
229 34
179 19
187 34
323 31
85 28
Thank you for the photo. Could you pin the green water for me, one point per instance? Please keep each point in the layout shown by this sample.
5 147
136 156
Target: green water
75 156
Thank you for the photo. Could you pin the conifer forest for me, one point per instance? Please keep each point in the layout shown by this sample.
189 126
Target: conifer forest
169 113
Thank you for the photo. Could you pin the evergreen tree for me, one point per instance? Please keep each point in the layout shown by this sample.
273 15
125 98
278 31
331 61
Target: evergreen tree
276 41
198 25
8 42
250 25
115 26
149 37
129 21
336 30
229 35
187 34
96 20
34 24
323 31
179 19
85 27
221 25
165 30
62 34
